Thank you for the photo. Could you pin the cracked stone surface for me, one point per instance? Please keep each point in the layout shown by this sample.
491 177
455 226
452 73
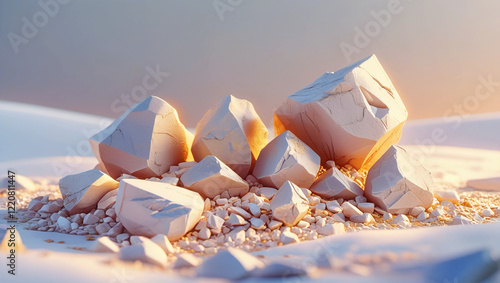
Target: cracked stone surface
149 208
81 192
350 116
287 158
144 142
289 204
211 177
397 182
334 184
233 132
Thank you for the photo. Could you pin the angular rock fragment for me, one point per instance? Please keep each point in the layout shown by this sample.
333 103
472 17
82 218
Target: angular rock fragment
150 208
108 200
105 245
349 210
144 142
81 192
287 158
146 251
451 196
397 182
210 177
332 229
231 264
233 132
289 205
350 116
334 184
162 241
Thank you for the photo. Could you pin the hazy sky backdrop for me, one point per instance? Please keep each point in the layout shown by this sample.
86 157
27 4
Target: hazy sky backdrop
88 56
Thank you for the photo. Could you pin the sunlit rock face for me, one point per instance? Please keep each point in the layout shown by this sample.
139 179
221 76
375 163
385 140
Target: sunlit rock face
287 158
210 177
144 142
334 184
350 116
289 205
81 192
149 208
233 132
397 182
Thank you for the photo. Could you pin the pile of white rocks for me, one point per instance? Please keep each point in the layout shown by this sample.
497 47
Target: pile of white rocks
159 191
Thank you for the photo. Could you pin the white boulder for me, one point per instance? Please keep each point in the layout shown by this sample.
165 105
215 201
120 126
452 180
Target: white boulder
211 177
144 142
231 264
287 158
105 245
289 205
334 184
349 116
397 183
233 132
145 251
81 192
149 208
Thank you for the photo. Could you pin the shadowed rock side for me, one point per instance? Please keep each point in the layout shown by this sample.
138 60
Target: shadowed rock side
349 116
397 182
287 158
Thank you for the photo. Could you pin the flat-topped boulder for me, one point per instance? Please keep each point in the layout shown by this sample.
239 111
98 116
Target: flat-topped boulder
350 116
211 177
149 208
233 132
287 158
334 184
397 182
144 142
82 192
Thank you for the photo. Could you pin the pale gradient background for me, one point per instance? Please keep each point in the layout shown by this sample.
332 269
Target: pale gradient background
92 52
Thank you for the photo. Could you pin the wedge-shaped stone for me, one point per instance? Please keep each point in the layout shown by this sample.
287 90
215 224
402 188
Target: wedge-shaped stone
350 116
231 264
210 177
145 251
144 142
233 132
81 192
149 208
289 205
334 184
105 245
397 182
287 158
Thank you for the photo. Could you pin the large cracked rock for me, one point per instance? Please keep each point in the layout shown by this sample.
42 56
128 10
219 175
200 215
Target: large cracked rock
81 192
144 142
350 116
149 208
334 184
210 177
233 132
397 182
287 158
289 204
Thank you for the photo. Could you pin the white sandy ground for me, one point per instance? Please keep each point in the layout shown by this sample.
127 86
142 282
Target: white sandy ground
40 138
